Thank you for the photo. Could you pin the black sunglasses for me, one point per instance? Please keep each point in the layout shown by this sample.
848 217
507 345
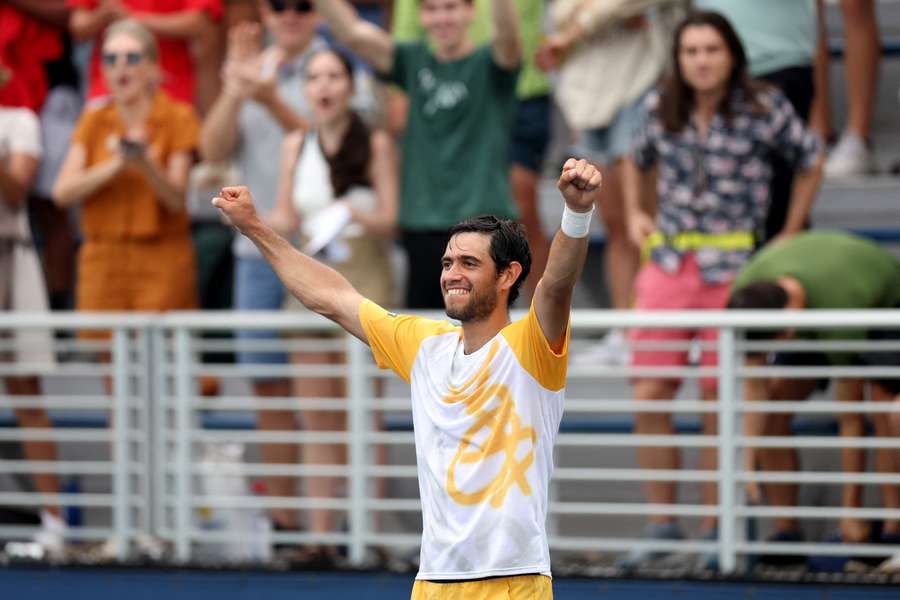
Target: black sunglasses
301 6
131 58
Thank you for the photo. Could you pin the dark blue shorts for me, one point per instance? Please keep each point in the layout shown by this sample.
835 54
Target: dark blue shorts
531 133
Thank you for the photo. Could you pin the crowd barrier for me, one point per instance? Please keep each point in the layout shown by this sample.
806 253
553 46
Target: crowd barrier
135 399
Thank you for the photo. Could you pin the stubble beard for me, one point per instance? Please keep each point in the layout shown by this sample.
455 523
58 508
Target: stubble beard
479 307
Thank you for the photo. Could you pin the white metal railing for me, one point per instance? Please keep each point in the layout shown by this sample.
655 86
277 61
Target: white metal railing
167 486
98 380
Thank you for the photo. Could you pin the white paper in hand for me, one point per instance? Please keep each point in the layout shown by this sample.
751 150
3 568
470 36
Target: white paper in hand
324 226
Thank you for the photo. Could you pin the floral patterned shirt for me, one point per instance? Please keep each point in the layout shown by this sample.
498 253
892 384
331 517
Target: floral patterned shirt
719 184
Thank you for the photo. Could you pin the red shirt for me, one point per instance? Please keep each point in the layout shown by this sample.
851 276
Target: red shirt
174 54
25 45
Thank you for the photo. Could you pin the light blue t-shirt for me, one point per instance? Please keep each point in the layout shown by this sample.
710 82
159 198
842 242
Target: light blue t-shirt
777 34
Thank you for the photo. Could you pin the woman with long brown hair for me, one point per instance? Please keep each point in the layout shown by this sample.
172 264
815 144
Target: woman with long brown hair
709 132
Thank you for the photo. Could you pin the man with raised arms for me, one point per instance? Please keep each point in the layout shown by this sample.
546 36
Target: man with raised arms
487 396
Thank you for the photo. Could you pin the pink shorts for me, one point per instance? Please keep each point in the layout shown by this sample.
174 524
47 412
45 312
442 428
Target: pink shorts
685 290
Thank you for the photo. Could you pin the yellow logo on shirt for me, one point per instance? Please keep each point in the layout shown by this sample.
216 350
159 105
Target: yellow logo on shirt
504 434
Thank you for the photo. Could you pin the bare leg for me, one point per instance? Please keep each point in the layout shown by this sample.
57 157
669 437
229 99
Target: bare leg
783 459
657 457
321 520
863 53
621 259
820 112
280 454
524 184
886 459
36 418
853 460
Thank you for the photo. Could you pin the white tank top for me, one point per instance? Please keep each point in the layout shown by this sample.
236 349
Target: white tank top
312 189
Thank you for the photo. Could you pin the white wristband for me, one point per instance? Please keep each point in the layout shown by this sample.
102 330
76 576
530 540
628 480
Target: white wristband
576 224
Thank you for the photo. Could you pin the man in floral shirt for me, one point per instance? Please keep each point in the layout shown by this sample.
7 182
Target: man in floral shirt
710 133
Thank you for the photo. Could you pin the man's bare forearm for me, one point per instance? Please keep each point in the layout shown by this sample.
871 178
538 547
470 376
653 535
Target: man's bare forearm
283 114
367 40
219 134
507 42
318 287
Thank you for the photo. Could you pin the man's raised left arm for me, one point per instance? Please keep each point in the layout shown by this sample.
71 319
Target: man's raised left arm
579 184
507 48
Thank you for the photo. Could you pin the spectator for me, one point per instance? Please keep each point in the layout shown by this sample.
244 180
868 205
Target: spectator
336 163
780 39
22 289
461 111
801 274
531 124
627 42
127 167
710 130
262 98
53 230
852 156
176 24
27 42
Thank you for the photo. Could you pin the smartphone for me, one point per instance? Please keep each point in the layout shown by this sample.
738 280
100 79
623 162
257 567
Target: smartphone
130 148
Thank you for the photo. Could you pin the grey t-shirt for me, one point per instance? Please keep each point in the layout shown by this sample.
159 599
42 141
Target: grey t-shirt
259 146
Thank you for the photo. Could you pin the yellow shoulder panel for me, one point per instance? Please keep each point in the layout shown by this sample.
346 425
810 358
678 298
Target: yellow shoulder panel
533 351
395 339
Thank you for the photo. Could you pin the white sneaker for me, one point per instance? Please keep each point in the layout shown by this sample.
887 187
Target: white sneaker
611 351
849 158
52 536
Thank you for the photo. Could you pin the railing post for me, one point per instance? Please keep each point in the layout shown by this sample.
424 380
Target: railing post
358 426
147 367
727 455
121 456
183 407
160 448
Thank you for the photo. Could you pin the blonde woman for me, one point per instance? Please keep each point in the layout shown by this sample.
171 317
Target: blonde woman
127 167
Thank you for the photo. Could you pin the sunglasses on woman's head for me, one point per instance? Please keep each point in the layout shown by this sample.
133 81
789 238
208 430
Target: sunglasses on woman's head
301 6
131 58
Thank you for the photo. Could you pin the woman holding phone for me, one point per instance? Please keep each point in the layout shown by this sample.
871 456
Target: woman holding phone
127 167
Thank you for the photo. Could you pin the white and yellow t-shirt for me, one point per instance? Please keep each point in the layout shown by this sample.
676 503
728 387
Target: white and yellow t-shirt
485 425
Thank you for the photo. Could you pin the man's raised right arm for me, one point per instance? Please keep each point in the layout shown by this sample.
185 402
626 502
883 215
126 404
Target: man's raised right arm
369 41
318 287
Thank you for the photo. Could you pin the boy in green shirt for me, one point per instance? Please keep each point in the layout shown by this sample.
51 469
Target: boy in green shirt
531 125
462 99
822 270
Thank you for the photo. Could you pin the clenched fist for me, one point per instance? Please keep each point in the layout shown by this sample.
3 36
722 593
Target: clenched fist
236 205
579 184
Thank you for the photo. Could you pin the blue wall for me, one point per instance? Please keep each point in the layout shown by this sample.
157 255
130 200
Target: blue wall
140 584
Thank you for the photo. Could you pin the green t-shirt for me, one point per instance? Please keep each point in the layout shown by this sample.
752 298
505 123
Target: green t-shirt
456 147
532 81
777 34
836 270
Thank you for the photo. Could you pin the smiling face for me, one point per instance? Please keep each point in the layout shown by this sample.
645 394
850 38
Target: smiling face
328 87
292 23
446 22
469 278
704 59
128 70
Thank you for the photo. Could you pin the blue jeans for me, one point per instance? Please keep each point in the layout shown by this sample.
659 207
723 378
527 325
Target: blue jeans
256 287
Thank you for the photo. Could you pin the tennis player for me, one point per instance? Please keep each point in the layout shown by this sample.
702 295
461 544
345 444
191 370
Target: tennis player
487 396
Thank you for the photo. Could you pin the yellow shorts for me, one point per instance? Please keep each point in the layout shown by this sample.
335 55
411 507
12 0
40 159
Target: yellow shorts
519 587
